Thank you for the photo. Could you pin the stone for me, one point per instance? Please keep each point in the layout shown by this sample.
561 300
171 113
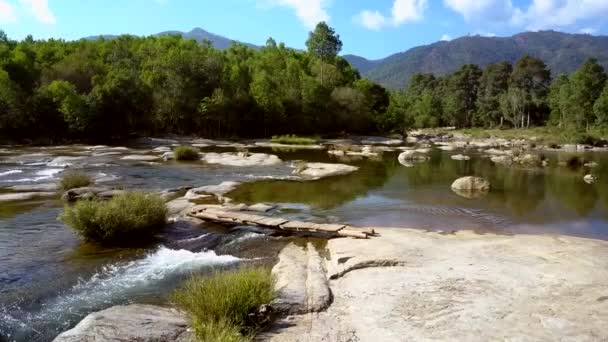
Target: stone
136 322
64 161
301 282
406 158
502 160
24 196
261 207
50 187
218 190
241 159
139 157
531 160
178 206
414 285
381 141
591 164
460 157
590 179
291 147
89 192
471 183
315 171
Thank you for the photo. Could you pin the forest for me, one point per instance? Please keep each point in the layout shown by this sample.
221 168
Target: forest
55 90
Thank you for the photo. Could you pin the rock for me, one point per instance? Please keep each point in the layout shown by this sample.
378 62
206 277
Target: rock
89 192
531 160
590 179
499 152
591 164
287 146
136 322
301 282
447 148
217 190
381 141
138 157
51 187
460 157
241 159
64 161
412 140
162 149
168 156
171 194
261 207
106 195
24 196
471 187
413 285
179 206
408 157
322 170
156 141
502 160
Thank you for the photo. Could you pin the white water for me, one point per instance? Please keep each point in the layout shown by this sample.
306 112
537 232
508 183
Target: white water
112 285
41 175
10 172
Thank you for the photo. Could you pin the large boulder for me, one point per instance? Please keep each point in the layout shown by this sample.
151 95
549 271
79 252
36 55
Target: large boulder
143 323
471 187
241 159
321 170
471 183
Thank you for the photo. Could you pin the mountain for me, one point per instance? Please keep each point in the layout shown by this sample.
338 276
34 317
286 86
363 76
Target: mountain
198 34
562 52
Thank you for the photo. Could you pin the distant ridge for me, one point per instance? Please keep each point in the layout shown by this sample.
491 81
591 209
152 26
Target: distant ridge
198 34
562 52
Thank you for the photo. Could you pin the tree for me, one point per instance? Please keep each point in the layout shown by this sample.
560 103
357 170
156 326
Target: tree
324 44
601 107
493 83
532 78
586 85
460 102
558 99
513 106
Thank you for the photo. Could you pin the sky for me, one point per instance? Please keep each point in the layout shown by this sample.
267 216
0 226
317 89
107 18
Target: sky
370 28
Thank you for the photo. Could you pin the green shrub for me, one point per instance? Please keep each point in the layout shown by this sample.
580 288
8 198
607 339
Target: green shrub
220 305
293 140
74 179
186 153
133 215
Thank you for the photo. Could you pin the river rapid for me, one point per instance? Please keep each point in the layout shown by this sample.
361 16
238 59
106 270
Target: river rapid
50 279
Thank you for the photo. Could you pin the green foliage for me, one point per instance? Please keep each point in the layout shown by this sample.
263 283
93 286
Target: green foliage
293 140
127 217
600 108
323 42
186 153
219 306
74 179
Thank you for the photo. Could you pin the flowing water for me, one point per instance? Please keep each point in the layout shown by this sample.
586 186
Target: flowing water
49 279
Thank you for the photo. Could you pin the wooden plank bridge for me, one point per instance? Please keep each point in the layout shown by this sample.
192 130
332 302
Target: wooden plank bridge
225 216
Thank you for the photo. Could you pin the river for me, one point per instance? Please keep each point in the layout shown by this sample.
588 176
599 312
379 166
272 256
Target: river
49 279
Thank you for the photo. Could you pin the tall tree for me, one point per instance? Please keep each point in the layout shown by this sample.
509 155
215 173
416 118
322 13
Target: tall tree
324 44
493 83
601 107
460 103
532 78
586 85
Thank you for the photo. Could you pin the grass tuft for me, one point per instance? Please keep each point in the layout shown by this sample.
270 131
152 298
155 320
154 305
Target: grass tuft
220 305
74 179
293 140
133 215
186 153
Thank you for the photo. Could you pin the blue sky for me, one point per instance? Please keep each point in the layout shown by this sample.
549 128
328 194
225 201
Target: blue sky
369 28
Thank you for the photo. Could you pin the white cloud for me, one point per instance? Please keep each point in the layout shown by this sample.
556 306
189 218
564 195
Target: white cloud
588 30
546 14
41 10
7 13
482 10
538 15
403 11
310 12
445 38
371 20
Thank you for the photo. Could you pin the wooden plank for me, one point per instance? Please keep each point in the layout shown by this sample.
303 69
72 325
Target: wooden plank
353 233
331 228
273 222
297 225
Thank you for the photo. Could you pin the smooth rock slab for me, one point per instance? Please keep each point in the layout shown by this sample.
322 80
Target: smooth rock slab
241 159
142 323
410 285
301 282
24 196
138 157
218 190
321 170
